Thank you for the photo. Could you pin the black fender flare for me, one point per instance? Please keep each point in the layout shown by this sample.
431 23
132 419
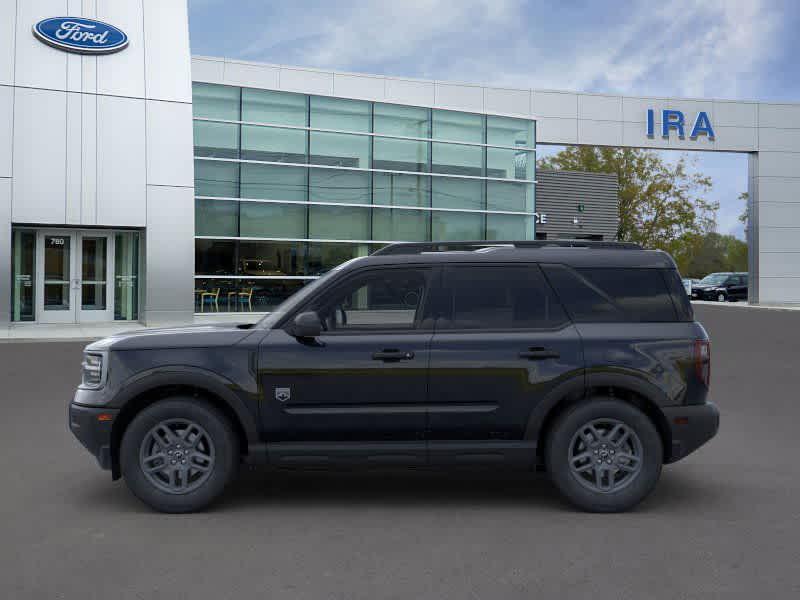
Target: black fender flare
195 377
578 386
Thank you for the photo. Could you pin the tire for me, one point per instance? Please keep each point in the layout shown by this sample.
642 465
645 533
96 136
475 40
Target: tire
153 439
722 297
567 441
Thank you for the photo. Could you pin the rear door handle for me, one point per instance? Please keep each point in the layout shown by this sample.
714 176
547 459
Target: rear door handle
539 354
392 355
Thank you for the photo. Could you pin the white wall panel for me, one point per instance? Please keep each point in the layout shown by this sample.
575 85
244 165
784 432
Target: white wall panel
464 97
166 37
121 169
735 114
779 290
781 140
779 189
779 214
306 81
779 264
778 164
555 104
408 91
634 109
779 115
557 131
635 135
507 102
777 239
89 159
169 249
601 133
8 24
74 158
169 143
250 75
39 156
6 128
204 69
738 139
36 64
599 108
358 86
122 73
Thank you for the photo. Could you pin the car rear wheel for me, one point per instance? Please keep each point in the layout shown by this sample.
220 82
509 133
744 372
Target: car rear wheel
604 455
178 454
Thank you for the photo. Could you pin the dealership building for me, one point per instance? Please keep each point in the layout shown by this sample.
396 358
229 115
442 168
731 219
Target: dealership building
140 183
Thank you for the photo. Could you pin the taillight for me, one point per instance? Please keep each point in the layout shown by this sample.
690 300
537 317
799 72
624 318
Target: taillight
702 361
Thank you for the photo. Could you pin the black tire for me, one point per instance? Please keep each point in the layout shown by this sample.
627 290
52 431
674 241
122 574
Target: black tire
722 297
223 441
562 435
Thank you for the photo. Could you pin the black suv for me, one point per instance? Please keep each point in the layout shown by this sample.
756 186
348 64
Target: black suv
579 358
722 287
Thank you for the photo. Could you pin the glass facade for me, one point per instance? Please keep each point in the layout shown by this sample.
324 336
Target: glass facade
290 185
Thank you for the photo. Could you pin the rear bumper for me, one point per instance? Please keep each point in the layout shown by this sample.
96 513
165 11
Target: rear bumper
92 427
691 426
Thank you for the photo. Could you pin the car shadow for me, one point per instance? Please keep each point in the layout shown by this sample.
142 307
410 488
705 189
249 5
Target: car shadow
258 487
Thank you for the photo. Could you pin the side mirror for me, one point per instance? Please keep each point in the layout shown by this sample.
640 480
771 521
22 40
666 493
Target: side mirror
307 325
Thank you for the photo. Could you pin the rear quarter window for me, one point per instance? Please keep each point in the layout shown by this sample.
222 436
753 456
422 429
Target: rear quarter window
616 294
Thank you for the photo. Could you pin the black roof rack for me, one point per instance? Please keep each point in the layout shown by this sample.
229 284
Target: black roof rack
420 247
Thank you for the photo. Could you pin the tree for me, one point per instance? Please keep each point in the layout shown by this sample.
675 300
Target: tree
699 255
660 203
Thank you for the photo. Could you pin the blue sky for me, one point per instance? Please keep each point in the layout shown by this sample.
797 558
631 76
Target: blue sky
740 49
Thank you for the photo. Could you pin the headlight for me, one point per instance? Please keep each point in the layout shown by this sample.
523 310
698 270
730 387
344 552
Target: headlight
93 374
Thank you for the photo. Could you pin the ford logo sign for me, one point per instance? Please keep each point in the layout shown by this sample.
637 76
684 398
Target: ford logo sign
84 36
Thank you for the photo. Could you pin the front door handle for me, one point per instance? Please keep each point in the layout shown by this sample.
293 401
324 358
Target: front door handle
392 355
539 354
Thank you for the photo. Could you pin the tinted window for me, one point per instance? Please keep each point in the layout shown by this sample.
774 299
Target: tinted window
613 295
680 299
497 297
377 299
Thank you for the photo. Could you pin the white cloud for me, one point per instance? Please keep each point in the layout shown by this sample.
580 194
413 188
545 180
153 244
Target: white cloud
686 47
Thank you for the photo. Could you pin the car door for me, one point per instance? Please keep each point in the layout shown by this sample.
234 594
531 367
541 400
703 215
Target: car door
738 289
502 343
365 377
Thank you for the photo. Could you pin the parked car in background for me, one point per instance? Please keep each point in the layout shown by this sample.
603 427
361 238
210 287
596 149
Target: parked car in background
722 287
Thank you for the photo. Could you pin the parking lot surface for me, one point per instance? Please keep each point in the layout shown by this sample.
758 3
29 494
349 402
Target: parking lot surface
724 523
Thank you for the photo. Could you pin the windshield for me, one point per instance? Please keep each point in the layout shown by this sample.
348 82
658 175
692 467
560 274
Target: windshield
714 279
268 321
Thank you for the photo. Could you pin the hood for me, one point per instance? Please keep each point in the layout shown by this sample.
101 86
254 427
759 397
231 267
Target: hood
705 286
186 336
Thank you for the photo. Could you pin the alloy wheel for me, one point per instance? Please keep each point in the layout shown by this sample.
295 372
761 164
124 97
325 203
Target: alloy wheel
177 456
605 455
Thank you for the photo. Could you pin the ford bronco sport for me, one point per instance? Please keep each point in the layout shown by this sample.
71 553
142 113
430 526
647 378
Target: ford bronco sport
580 358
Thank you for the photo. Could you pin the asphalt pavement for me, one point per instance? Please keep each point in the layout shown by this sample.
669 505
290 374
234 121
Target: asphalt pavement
724 523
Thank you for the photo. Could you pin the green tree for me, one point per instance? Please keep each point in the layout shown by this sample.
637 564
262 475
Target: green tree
660 203
699 255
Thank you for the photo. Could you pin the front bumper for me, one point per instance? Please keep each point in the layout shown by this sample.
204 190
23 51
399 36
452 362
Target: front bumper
691 426
705 294
92 426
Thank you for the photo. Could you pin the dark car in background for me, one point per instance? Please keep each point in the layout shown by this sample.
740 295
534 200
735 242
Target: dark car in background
577 357
721 287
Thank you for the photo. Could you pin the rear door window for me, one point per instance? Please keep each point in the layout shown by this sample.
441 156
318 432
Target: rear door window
498 297
613 294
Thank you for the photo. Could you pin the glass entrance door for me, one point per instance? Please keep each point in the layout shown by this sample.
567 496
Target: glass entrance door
73 275
94 301
55 274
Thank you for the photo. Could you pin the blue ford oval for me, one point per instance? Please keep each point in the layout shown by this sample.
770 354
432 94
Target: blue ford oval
84 36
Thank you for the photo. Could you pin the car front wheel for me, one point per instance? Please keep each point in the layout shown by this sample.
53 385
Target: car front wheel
604 455
178 454
721 297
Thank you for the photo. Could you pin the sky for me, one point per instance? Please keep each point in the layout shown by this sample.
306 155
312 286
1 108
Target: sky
733 49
